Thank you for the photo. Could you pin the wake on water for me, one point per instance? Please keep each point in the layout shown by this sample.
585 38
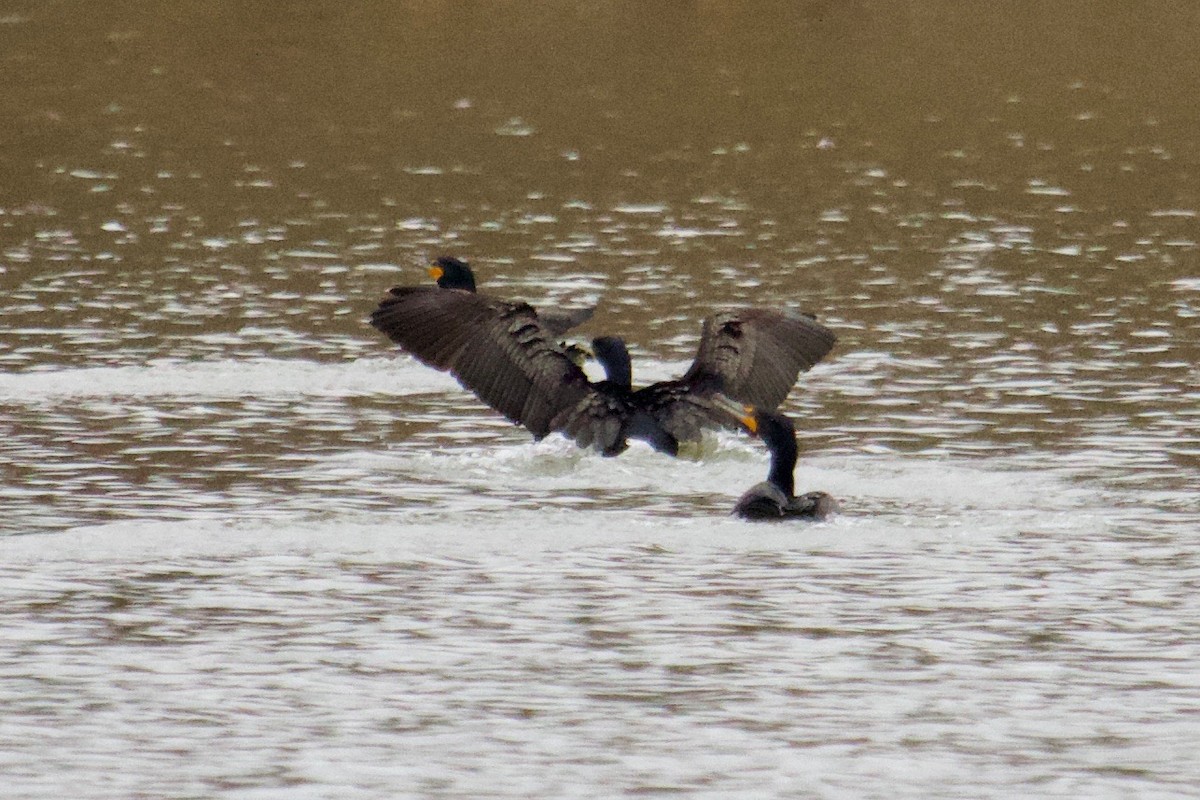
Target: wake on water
482 471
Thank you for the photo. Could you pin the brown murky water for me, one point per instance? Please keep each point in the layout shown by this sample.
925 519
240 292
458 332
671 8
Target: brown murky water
264 555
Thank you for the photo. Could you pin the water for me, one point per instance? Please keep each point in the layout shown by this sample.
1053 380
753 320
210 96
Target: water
247 551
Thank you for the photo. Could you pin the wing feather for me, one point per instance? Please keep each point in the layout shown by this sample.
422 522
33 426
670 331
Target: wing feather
755 355
496 349
682 410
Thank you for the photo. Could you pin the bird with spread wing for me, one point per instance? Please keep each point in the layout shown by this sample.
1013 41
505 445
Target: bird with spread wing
509 356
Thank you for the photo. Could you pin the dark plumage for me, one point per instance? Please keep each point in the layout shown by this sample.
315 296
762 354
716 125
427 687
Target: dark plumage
504 353
453 273
774 498
498 349
751 355
507 354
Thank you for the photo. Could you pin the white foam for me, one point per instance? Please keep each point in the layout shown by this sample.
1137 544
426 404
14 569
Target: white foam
227 378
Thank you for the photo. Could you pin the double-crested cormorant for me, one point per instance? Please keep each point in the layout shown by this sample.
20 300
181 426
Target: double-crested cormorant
773 499
504 352
751 355
453 273
507 354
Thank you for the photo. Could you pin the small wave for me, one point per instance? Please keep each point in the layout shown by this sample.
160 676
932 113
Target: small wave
227 378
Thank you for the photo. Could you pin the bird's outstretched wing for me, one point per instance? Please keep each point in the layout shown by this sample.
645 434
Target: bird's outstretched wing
499 350
756 354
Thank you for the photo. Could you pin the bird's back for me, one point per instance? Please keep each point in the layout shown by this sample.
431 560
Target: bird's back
761 501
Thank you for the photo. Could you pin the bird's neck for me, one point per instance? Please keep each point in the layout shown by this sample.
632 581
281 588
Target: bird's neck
618 368
783 465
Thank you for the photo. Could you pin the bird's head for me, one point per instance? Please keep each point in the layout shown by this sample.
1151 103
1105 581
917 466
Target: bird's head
451 273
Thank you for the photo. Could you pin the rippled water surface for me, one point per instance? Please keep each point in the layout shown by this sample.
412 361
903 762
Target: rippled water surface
248 550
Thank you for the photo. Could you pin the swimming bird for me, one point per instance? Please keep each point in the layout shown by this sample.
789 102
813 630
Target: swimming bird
507 355
454 273
774 498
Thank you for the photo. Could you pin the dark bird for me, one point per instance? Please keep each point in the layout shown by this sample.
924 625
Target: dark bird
453 273
774 498
504 352
507 355
752 356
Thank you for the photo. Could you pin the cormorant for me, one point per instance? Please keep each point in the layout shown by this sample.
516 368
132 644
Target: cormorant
774 498
750 355
506 353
